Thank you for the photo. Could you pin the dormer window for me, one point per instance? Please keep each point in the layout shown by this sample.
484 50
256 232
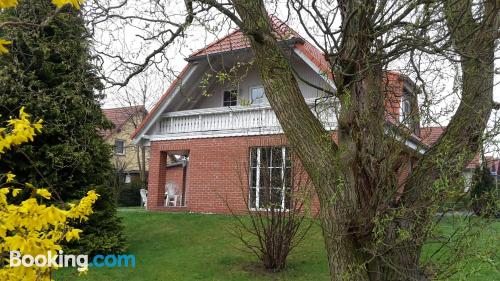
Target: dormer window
406 107
230 98
408 114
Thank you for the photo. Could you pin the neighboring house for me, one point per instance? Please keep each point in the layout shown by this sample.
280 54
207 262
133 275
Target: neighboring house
227 135
430 135
127 157
493 165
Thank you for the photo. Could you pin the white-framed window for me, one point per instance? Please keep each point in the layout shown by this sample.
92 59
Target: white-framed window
257 95
230 98
405 109
405 106
127 179
270 178
119 147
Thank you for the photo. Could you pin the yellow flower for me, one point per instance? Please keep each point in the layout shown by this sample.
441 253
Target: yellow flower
19 131
3 42
74 3
30 227
10 177
7 3
72 234
43 192
82 270
15 191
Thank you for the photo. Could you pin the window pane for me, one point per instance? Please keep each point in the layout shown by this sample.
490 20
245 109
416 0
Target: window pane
265 177
276 197
265 156
406 108
257 95
277 157
119 146
253 157
288 197
230 98
252 201
276 177
264 196
288 158
288 177
253 177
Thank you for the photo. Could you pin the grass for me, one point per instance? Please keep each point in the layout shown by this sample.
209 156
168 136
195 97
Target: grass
180 246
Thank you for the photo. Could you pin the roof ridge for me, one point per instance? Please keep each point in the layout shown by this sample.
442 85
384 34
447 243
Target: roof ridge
123 107
431 127
281 28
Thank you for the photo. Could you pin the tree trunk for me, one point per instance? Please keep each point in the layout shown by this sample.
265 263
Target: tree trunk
475 43
312 143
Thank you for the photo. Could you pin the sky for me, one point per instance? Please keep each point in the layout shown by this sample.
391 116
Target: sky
123 38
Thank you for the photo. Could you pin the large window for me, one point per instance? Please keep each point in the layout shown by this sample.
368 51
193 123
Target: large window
257 95
270 178
230 98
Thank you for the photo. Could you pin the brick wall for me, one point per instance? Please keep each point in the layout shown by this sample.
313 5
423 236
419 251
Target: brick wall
217 172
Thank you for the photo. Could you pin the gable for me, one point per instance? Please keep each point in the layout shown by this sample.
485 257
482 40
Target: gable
184 93
193 72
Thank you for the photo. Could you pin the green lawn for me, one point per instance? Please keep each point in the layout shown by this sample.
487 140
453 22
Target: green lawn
179 246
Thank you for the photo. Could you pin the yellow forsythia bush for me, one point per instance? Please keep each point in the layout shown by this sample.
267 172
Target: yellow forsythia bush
31 227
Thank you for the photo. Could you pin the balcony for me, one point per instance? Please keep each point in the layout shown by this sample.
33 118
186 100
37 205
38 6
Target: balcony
230 121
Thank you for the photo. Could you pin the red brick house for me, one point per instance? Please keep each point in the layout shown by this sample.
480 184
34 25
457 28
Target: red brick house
225 134
430 135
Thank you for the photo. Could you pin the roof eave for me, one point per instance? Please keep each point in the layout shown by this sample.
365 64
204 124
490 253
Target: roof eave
289 42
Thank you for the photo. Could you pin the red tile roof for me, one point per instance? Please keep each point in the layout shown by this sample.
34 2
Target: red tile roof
475 162
237 40
120 115
234 41
493 163
430 135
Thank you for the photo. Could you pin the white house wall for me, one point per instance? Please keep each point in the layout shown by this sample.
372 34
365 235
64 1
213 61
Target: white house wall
252 79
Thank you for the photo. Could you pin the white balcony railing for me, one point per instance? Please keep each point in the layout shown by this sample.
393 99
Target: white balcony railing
238 120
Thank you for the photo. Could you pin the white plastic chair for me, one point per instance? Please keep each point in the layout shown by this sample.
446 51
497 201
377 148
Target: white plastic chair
144 197
172 194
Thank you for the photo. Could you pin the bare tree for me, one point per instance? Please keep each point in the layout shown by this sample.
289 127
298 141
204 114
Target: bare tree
277 224
136 98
